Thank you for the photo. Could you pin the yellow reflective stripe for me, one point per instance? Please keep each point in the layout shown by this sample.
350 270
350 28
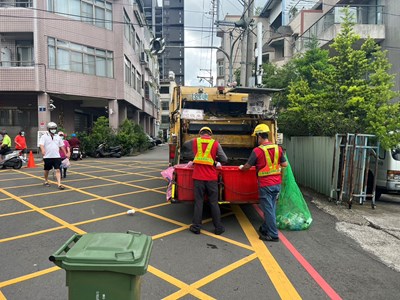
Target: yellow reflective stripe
204 158
273 167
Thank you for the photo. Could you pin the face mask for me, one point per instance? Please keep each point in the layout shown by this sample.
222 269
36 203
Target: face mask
62 137
53 130
22 133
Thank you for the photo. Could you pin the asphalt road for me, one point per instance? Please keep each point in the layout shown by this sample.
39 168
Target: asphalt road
319 263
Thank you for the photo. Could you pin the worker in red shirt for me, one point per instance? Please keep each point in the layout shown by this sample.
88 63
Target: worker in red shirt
207 154
20 143
268 159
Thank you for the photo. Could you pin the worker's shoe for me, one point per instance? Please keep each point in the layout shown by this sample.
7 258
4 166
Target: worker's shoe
219 231
266 237
194 229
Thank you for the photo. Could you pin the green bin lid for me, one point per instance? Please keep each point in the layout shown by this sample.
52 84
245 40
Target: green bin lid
115 252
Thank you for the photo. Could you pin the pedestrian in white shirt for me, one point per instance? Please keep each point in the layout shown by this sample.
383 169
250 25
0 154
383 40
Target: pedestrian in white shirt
50 144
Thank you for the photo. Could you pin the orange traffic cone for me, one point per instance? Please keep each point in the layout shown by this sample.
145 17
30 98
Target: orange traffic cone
31 161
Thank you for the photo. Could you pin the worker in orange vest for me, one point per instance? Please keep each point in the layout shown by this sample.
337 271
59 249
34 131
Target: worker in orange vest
268 159
207 155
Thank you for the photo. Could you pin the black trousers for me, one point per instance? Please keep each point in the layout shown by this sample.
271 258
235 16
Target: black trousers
209 188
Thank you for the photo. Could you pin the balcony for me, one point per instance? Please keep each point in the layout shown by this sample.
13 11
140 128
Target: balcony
368 21
16 50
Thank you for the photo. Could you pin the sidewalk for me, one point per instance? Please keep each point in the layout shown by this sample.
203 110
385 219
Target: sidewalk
376 230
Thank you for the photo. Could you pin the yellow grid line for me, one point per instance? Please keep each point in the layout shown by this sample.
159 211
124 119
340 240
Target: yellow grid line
213 276
278 277
185 289
43 212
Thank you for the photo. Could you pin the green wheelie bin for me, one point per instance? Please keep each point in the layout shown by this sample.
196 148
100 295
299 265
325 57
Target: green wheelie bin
104 266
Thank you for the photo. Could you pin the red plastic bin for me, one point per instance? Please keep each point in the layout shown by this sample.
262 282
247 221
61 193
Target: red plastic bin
240 186
184 183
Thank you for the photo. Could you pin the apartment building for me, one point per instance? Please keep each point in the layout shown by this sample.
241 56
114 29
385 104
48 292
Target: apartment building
293 23
173 59
166 91
72 61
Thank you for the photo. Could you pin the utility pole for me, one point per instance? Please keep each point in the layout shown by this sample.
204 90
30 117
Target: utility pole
250 44
243 49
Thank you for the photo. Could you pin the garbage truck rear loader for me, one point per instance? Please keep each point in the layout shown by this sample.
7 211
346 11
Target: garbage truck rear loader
232 115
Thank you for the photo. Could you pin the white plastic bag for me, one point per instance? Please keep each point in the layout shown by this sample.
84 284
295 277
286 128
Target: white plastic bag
65 163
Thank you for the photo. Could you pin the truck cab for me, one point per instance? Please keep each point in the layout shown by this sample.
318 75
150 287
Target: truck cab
388 178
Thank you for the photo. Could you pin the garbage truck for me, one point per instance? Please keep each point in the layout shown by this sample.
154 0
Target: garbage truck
231 114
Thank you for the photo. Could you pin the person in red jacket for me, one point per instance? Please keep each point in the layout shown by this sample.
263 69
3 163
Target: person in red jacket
205 153
269 160
20 143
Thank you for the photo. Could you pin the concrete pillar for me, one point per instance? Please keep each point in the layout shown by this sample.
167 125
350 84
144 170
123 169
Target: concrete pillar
136 117
113 113
44 114
288 48
123 112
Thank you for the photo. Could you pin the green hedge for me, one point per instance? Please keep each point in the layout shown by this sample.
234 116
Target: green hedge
129 135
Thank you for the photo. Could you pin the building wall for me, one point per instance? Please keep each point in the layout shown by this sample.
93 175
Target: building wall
392 41
72 92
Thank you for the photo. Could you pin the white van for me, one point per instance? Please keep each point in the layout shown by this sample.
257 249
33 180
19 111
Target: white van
388 179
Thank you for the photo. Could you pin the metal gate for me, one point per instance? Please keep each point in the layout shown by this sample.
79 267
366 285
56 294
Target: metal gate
354 155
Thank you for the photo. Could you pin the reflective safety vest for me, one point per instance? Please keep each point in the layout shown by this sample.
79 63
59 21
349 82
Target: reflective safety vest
271 168
204 158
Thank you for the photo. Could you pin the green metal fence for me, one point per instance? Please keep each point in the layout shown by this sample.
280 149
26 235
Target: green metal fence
311 159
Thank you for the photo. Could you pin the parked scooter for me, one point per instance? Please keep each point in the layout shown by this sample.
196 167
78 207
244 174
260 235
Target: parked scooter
11 160
104 151
76 153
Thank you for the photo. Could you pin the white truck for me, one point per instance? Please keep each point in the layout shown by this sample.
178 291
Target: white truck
388 178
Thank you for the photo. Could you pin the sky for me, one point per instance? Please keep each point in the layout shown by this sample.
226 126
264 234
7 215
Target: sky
198 32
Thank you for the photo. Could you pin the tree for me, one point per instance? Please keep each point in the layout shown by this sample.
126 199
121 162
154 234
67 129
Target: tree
350 92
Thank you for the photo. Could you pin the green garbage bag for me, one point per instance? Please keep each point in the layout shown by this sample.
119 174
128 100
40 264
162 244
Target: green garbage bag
292 212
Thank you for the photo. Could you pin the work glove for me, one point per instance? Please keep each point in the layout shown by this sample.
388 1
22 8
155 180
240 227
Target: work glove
240 167
218 165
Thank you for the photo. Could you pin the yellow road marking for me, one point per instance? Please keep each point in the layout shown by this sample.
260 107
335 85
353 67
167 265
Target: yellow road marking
177 283
28 276
279 279
221 272
16 237
43 212
2 297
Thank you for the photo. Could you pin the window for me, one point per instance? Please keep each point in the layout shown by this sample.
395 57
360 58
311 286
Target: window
165 119
98 13
165 105
67 56
220 68
128 73
164 90
24 53
23 3
139 82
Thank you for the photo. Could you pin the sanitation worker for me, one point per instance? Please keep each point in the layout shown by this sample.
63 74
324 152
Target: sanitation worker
205 153
268 159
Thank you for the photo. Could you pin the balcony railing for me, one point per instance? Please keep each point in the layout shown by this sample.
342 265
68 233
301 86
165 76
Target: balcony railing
361 14
19 63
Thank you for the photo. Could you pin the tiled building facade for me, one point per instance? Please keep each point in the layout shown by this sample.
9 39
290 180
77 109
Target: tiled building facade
71 61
